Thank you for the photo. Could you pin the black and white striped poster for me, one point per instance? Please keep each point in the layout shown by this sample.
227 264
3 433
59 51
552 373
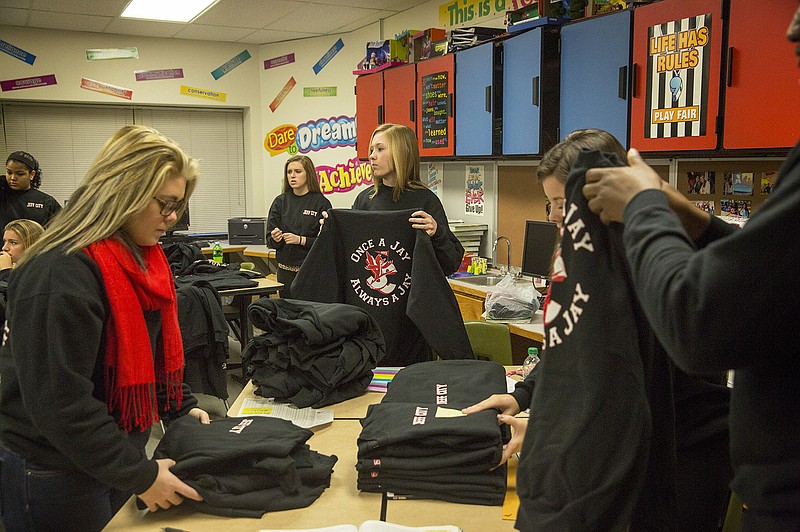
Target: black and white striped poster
677 78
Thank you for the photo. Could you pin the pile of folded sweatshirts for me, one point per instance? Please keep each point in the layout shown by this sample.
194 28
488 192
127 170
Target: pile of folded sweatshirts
245 467
311 354
416 443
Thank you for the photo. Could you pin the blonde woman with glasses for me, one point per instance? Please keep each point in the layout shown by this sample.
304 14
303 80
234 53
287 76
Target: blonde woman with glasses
80 391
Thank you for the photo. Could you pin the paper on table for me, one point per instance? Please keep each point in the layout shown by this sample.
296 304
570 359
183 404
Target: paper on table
448 412
302 417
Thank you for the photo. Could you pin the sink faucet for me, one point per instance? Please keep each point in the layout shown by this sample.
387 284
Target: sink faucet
508 249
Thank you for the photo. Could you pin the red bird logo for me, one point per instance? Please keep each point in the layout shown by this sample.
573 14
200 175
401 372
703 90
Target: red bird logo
381 268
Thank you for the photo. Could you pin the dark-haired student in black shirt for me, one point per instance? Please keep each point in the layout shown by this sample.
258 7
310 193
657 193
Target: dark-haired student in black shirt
294 216
20 196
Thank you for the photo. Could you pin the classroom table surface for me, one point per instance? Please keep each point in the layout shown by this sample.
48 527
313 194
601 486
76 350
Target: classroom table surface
355 408
341 503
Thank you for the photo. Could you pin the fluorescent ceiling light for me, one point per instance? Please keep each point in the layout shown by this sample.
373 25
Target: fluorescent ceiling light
168 11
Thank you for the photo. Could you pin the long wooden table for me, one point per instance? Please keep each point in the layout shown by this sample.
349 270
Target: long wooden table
341 503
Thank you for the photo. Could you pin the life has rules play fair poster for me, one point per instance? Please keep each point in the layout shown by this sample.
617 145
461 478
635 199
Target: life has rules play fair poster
677 78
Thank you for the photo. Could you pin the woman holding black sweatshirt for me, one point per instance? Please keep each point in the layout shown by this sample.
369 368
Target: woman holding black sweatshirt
294 216
80 392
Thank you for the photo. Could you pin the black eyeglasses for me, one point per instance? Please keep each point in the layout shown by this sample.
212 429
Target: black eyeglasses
169 206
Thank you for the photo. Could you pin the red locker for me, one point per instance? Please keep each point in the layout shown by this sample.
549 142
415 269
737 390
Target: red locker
369 110
762 96
436 125
677 56
399 95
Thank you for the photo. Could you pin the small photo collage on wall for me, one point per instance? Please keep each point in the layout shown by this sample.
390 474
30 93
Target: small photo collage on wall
723 196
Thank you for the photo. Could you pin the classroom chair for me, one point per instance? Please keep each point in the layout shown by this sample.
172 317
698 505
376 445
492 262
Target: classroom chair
490 341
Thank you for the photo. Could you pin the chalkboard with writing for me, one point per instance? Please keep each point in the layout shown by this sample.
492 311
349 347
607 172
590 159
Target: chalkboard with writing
434 110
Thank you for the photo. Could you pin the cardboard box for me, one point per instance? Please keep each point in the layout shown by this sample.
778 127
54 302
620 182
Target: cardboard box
423 43
406 39
247 231
380 53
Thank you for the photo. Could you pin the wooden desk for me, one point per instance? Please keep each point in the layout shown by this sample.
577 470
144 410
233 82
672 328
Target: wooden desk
227 250
352 409
341 503
471 300
242 297
263 257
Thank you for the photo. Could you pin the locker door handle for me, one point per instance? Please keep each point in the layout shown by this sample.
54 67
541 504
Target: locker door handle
535 91
380 114
489 99
729 69
411 110
634 70
450 105
622 91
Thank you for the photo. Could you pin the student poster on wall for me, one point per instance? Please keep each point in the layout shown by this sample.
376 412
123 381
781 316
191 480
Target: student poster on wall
435 171
677 74
434 110
474 201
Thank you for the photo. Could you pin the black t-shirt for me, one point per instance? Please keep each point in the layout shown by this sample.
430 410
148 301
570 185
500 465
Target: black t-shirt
299 215
31 204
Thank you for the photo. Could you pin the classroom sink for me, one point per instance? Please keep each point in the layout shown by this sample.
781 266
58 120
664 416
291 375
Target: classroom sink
482 280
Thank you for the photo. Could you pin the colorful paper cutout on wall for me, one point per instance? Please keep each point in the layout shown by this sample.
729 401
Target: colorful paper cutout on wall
278 61
282 94
203 93
28 83
106 88
17 53
330 54
164 73
230 64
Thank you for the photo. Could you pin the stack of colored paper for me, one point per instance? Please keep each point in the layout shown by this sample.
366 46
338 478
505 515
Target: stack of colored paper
381 377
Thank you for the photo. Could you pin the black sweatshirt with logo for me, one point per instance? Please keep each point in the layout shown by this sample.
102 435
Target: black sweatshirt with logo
377 261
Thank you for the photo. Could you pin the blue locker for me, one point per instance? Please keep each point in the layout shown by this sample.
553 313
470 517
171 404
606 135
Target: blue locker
476 100
595 79
530 92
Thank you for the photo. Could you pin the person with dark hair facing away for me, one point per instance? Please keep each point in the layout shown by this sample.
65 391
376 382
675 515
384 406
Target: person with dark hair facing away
20 196
79 395
394 158
294 216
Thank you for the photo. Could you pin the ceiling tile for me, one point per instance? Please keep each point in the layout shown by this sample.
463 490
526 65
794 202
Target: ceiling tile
326 17
385 5
212 33
109 8
257 13
145 28
14 17
21 4
49 19
272 36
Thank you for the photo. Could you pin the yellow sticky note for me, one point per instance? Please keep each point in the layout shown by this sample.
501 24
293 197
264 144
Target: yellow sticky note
448 412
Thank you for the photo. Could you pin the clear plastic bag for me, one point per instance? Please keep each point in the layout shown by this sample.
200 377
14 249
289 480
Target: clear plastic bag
512 299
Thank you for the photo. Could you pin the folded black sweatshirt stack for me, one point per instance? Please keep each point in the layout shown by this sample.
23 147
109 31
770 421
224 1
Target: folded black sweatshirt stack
245 467
408 447
311 354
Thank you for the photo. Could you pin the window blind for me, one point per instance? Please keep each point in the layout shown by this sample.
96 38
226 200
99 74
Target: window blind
65 139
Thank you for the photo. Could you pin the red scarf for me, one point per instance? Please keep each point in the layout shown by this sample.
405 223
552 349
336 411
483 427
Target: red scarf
130 372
